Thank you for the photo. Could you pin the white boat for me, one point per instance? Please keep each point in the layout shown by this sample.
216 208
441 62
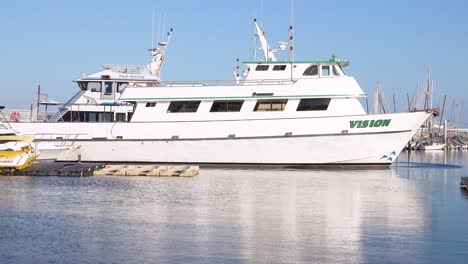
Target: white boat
273 113
433 146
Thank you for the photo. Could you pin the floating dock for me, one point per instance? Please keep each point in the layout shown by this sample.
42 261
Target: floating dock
76 169
464 183
148 170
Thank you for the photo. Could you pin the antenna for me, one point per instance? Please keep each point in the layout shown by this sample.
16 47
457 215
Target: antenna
152 30
261 13
159 26
164 22
290 34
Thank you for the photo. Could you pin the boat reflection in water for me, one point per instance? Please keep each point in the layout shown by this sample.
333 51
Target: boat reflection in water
233 216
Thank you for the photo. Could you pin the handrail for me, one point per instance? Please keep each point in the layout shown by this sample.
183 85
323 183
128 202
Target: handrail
197 83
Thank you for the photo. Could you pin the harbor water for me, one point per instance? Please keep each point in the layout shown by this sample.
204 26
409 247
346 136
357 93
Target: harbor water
414 212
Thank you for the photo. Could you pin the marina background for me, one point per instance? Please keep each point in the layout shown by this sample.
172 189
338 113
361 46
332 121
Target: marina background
54 42
414 212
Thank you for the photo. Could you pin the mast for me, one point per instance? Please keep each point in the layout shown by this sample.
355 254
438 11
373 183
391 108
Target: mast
158 55
267 52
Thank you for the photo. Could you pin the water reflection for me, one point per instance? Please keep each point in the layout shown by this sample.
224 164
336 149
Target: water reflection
410 213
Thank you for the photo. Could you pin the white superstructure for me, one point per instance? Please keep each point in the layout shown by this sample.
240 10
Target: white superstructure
273 113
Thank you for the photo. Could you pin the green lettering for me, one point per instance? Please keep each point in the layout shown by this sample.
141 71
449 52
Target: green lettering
386 122
365 123
371 123
378 123
359 125
352 124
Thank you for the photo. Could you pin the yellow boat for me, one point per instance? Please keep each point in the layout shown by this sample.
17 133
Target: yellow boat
16 153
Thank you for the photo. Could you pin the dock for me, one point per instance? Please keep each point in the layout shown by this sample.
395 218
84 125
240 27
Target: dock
148 170
85 169
464 183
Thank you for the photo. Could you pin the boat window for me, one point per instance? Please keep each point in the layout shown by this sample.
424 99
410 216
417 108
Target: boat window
150 104
325 70
226 106
270 105
84 116
120 117
335 71
341 68
279 67
121 86
262 67
108 88
183 107
315 104
129 116
311 71
93 86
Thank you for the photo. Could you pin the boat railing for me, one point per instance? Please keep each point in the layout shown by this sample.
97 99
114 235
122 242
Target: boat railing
24 115
198 83
64 139
130 69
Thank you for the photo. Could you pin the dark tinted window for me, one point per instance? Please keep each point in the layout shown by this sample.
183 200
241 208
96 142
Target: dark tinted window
82 116
279 67
183 106
311 71
226 106
262 67
150 104
313 104
270 105
120 117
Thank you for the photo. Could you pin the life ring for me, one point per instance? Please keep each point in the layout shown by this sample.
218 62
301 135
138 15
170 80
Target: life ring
15 116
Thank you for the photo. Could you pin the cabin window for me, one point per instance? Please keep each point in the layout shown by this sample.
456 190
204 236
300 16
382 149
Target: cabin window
150 104
93 86
262 67
313 104
311 71
107 88
129 116
84 116
226 106
183 107
279 67
335 71
270 105
120 117
325 70
121 86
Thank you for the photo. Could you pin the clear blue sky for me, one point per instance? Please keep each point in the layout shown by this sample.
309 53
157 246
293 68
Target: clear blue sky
54 42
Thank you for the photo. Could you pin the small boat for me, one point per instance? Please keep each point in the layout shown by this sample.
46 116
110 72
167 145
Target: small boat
433 146
16 152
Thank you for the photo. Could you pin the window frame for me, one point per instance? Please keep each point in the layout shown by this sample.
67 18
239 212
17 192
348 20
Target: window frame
322 70
173 104
283 102
262 67
310 67
302 106
241 102
281 67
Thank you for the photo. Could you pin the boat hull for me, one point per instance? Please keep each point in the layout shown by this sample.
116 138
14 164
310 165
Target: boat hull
327 141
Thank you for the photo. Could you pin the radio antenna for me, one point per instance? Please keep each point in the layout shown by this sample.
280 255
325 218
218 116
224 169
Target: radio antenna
152 31
291 33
